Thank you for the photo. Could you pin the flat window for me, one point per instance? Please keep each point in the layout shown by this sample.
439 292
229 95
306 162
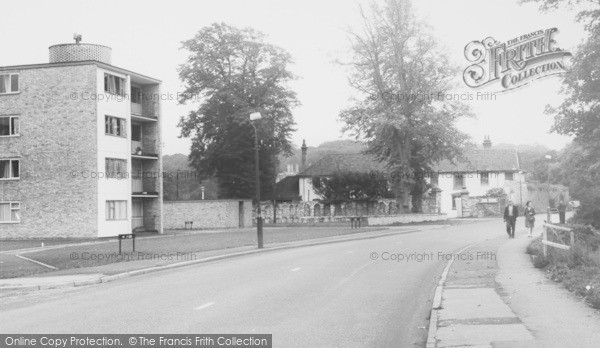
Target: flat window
136 95
114 84
10 212
115 126
136 132
9 169
508 176
9 125
9 83
116 210
115 168
485 179
435 179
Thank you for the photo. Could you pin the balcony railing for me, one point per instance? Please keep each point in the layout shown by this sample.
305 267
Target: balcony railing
138 110
146 148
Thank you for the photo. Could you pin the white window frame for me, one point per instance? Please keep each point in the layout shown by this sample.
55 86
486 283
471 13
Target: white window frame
13 206
112 170
10 76
108 119
119 90
10 126
11 174
111 210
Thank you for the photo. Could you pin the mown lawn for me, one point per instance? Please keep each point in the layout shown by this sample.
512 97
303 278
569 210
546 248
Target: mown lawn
6 245
171 248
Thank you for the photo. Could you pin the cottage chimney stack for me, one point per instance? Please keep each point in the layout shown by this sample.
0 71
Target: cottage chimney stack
304 149
487 143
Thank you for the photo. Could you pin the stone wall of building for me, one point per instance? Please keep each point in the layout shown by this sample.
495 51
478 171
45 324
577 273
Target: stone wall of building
404 219
482 206
206 214
314 211
519 193
57 142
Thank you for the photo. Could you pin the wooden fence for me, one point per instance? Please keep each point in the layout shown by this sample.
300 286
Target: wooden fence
553 229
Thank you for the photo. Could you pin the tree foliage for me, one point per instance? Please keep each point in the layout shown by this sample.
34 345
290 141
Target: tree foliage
233 72
402 74
352 186
579 114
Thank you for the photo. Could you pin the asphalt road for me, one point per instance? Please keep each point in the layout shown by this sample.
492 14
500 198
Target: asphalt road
333 295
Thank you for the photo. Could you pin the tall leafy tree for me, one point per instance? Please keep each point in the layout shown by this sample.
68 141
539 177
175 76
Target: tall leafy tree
405 116
579 114
233 72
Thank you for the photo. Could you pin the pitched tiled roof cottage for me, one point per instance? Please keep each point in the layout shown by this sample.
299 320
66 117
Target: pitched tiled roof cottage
475 173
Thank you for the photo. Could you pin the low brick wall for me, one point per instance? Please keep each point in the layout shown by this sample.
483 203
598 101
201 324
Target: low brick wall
207 214
404 218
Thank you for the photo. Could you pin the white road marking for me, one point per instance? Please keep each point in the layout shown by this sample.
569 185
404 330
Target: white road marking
37 262
204 306
296 269
398 242
349 252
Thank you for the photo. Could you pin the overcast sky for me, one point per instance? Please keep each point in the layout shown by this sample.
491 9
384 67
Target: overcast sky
146 38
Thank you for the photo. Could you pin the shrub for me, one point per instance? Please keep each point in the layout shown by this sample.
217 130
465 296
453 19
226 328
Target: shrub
579 268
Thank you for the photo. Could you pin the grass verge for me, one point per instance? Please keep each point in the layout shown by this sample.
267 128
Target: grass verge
167 249
578 269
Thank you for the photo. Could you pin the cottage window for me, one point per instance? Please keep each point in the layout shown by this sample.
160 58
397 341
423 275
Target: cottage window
508 176
435 179
485 179
9 125
116 210
459 181
114 84
10 212
9 169
9 83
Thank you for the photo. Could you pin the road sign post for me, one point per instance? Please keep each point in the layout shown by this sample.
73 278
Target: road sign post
126 236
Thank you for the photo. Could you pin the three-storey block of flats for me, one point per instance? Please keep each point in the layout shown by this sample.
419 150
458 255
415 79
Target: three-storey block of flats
80 147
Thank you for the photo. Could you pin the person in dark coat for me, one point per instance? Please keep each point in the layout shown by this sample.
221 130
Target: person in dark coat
510 217
562 210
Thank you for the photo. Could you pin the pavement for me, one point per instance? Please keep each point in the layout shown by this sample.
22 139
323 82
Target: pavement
498 299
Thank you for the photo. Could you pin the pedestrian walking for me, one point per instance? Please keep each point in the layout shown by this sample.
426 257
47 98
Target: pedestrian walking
510 218
529 214
562 210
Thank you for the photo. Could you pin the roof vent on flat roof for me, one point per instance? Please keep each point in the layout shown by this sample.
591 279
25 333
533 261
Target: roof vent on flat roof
79 52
